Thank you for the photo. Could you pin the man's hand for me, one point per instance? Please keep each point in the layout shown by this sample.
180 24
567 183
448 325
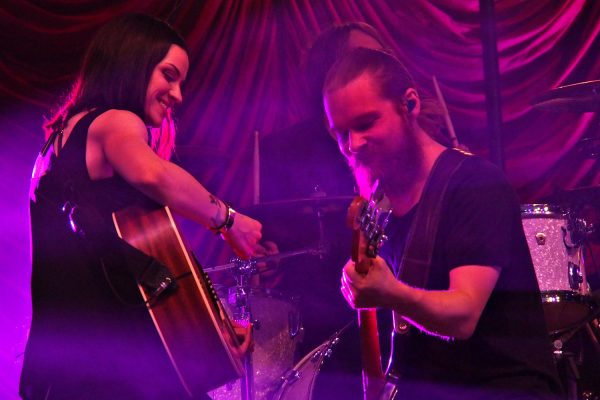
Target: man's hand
268 272
375 289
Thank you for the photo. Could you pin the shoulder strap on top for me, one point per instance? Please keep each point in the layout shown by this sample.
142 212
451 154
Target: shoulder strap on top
83 125
86 119
418 253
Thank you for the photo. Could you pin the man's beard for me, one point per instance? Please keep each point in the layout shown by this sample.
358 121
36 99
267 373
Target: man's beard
396 167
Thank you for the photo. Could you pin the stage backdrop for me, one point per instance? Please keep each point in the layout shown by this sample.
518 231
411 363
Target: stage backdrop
245 77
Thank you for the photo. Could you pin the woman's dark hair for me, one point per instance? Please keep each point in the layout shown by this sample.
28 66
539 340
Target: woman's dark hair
393 79
117 67
326 49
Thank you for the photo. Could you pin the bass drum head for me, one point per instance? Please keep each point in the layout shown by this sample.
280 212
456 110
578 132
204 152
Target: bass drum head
330 371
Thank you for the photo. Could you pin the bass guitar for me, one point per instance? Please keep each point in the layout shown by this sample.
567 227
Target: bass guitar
368 219
189 317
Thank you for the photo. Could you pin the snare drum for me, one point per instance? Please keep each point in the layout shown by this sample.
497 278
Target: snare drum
277 333
557 264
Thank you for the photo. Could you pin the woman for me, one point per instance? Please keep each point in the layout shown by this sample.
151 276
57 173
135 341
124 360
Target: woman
91 336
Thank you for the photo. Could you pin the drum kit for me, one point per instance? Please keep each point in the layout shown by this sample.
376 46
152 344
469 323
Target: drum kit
558 240
563 234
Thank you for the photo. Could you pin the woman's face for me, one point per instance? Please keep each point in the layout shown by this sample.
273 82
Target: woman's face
164 88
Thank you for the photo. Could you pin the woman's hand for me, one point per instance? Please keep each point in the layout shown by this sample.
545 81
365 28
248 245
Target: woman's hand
243 236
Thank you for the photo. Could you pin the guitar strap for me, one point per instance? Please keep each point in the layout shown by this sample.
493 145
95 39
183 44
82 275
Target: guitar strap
418 253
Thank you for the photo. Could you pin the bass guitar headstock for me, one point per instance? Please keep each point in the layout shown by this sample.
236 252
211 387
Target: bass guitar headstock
368 220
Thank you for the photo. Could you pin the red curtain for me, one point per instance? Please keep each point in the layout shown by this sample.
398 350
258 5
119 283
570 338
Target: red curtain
245 76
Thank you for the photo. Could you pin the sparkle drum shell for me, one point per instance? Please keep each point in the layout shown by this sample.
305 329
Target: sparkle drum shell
557 265
277 333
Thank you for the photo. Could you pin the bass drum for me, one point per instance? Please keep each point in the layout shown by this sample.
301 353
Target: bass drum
277 333
323 373
558 265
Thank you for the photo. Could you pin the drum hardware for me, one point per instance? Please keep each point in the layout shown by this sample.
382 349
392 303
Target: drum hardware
578 230
540 238
241 310
295 324
318 356
575 276
569 361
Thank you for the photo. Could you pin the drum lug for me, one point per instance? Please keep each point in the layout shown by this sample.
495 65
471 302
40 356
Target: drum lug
316 356
294 323
256 324
291 376
575 278
540 238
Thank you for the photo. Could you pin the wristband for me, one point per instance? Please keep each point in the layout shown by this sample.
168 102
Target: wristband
227 222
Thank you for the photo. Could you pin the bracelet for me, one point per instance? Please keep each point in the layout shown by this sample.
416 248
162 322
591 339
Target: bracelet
227 222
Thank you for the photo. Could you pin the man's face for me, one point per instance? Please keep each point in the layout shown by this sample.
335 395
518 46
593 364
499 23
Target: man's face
372 132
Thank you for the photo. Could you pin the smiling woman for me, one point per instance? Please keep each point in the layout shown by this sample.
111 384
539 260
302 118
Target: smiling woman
100 158
164 89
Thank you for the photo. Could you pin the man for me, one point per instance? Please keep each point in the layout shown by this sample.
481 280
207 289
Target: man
477 327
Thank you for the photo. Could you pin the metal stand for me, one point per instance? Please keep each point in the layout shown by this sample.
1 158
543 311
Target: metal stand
238 298
569 359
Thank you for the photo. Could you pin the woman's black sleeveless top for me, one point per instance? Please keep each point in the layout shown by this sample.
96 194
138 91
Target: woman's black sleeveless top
91 336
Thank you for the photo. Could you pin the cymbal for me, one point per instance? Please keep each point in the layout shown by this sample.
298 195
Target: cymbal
589 147
578 97
307 205
293 223
576 197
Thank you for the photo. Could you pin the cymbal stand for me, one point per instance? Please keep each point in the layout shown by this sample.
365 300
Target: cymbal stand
239 299
322 245
572 359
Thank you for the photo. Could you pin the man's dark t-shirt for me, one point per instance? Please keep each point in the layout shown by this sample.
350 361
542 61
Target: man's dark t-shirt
509 353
